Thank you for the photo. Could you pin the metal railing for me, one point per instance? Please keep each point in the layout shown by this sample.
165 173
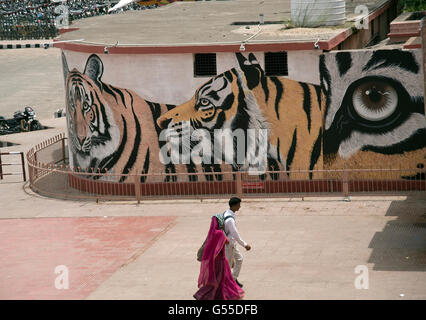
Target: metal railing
47 154
50 175
22 164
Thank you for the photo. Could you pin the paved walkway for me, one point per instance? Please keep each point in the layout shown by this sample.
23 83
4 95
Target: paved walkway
89 250
307 248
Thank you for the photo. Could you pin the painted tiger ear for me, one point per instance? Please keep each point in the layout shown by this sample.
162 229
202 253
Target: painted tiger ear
94 69
252 72
253 59
241 60
65 68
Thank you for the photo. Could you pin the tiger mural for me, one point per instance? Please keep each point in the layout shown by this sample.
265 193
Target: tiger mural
244 98
111 129
368 109
375 112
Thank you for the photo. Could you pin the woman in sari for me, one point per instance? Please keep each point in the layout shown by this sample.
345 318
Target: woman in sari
215 281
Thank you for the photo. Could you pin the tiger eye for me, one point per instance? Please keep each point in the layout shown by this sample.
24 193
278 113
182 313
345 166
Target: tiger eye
204 102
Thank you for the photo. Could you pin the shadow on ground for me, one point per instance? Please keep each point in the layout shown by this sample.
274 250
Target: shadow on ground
401 245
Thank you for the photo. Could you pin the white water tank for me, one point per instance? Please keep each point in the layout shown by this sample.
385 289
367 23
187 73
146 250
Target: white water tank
314 13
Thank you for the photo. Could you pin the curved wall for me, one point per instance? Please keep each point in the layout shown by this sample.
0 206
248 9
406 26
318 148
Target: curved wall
355 109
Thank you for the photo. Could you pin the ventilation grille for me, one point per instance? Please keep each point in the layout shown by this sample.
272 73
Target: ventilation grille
205 64
276 63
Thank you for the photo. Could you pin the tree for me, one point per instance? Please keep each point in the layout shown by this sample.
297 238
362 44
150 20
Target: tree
411 5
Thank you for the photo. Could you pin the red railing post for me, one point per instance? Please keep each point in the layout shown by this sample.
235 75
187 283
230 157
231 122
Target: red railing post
35 171
345 186
137 188
23 166
239 185
63 149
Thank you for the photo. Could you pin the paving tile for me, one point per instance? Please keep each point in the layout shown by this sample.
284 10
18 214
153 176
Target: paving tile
92 249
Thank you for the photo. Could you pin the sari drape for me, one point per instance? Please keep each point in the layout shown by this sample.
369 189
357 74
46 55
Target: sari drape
215 281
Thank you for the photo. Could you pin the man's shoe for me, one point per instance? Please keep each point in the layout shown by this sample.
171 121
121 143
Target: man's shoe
239 284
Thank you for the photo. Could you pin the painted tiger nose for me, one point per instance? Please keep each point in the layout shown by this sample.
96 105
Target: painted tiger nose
163 123
81 139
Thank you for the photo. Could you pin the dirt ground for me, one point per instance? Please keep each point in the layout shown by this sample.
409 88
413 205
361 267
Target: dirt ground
31 77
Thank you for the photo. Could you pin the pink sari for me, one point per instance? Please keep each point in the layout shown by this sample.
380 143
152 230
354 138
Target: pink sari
215 281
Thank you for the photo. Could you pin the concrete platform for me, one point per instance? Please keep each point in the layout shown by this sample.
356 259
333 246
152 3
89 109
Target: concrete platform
306 248
37 251
301 249
31 77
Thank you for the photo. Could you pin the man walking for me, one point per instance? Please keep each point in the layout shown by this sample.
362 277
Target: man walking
231 251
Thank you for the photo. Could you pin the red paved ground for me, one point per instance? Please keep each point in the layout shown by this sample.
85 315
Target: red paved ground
91 248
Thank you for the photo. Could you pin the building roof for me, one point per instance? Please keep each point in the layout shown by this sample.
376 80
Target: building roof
206 23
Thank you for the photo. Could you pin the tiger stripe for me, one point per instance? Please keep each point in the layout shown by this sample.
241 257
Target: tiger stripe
113 130
292 111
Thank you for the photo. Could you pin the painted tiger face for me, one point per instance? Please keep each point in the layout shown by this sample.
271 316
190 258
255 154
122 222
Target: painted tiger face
224 108
83 119
208 107
92 130
375 108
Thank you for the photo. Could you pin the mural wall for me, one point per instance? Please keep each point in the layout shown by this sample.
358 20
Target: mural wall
368 109
110 129
375 109
243 99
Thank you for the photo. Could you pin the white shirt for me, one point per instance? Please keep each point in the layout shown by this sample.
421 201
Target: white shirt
231 229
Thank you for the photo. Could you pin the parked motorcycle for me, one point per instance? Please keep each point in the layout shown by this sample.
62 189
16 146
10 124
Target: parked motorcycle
7 127
22 121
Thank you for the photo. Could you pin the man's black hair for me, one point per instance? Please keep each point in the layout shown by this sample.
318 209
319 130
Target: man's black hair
233 201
